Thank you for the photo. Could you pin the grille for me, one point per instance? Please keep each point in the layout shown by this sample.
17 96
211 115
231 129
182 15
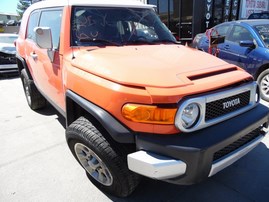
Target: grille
237 144
215 109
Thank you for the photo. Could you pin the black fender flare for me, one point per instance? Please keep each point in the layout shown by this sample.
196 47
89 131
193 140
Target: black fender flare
23 65
117 131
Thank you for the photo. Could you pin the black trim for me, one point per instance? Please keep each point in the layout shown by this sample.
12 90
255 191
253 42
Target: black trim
197 149
117 131
21 59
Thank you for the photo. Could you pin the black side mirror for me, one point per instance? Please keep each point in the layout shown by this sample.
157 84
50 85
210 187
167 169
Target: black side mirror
247 43
215 40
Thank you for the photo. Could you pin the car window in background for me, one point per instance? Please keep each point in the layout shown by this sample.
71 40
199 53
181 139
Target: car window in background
263 30
52 19
238 34
7 39
223 29
259 16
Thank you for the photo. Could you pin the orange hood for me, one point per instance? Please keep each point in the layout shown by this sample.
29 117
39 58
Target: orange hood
146 65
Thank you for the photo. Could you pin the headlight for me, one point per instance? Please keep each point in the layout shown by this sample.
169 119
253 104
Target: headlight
190 115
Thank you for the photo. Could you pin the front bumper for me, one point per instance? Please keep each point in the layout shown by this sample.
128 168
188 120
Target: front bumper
9 69
188 158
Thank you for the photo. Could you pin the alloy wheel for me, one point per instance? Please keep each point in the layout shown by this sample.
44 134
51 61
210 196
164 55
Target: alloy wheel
93 164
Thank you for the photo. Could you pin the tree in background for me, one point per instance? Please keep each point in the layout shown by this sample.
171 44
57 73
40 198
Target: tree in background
22 6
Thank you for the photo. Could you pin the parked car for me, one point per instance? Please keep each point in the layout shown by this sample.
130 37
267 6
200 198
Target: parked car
246 45
262 15
136 102
8 54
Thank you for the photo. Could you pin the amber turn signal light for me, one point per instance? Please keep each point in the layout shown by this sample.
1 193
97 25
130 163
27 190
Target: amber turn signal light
149 114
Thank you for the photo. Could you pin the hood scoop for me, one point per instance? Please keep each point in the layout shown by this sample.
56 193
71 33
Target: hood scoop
211 73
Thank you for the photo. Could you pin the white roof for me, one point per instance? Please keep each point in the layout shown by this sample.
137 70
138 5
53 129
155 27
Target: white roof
110 3
101 3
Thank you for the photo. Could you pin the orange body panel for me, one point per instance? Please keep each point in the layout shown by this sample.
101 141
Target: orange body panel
113 76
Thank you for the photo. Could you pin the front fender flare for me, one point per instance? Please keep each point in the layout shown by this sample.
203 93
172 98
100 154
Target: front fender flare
117 131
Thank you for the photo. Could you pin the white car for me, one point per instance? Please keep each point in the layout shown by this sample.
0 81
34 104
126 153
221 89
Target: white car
8 53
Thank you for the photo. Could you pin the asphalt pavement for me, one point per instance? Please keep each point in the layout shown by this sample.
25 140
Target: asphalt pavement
36 164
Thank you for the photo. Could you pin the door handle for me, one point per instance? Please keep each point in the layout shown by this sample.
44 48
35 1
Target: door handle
226 47
33 55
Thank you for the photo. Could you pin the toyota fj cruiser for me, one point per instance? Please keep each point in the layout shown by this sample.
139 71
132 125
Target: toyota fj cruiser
136 102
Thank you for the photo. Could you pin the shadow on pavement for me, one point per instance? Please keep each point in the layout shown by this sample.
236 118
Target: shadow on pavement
49 110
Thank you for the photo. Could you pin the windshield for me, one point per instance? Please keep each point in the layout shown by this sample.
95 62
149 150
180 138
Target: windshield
95 26
7 39
263 31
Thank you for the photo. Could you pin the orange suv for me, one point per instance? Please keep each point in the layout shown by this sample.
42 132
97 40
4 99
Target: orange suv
136 102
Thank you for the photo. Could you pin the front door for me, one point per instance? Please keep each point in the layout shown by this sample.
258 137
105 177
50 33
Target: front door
48 74
232 52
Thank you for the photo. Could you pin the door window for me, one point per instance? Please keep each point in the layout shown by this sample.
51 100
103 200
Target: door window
33 20
222 29
52 19
239 34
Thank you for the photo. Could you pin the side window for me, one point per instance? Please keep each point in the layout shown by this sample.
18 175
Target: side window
238 34
33 20
52 19
223 30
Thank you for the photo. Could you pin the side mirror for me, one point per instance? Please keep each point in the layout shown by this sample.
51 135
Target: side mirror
247 43
215 40
43 39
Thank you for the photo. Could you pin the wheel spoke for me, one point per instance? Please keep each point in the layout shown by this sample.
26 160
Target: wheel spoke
266 90
93 164
101 176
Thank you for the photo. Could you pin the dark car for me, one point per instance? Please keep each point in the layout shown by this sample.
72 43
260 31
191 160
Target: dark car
8 54
262 15
246 45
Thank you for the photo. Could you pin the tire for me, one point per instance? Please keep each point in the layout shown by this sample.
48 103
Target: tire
34 99
105 165
263 81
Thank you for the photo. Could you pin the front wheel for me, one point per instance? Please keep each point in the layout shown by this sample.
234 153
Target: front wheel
263 81
105 165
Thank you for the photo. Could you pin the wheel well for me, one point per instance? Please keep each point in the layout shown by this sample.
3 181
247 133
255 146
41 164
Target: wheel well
22 65
74 111
77 106
260 70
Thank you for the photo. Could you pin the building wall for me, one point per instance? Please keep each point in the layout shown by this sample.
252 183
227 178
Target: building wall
5 17
252 6
10 29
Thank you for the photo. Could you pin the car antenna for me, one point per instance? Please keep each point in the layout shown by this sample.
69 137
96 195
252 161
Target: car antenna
72 48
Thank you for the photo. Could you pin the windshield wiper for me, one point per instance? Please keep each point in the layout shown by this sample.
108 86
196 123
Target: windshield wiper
150 42
103 41
138 42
